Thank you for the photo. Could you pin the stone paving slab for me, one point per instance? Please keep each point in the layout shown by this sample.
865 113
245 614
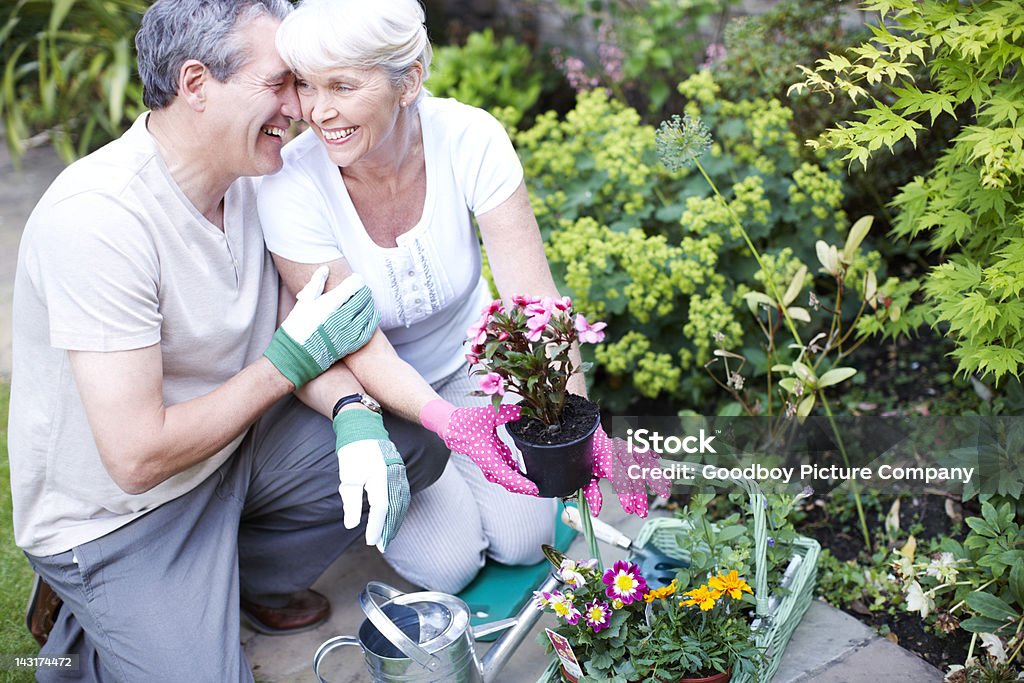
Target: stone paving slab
878 660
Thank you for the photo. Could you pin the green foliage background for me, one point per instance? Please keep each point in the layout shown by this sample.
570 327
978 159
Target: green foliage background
968 206
68 70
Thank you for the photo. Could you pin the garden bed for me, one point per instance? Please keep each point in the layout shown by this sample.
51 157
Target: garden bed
925 517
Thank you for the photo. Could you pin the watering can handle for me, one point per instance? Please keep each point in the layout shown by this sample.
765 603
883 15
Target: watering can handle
326 647
387 627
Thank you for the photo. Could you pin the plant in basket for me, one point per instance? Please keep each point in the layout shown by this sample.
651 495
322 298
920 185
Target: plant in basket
528 349
601 614
703 635
624 631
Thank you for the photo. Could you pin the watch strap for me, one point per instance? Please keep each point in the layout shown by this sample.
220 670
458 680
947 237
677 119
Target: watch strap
344 401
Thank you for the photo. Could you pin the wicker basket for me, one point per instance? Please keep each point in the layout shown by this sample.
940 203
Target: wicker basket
777 616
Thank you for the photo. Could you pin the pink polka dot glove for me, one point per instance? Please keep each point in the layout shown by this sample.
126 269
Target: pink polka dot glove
472 431
612 461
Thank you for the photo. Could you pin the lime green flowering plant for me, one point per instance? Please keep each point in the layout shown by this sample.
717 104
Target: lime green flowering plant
650 250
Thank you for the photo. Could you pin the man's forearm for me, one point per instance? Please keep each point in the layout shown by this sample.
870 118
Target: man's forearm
141 441
323 392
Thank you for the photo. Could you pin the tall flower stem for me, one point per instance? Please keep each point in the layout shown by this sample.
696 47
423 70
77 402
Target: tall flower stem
854 486
796 337
753 250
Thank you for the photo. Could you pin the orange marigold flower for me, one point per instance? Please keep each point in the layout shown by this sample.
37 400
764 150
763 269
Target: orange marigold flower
730 583
663 592
702 597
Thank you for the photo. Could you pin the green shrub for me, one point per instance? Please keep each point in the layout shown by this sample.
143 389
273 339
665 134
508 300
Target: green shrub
655 253
967 206
68 70
497 76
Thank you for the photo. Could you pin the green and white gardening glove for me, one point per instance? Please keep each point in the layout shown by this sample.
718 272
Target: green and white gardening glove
323 327
368 461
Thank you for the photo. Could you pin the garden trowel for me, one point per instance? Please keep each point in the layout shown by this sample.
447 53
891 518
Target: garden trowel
656 567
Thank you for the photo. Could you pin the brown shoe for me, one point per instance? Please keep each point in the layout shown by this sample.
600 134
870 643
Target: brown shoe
305 610
42 610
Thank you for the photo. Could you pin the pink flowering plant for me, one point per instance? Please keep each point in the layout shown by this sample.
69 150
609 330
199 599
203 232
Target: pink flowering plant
601 614
525 349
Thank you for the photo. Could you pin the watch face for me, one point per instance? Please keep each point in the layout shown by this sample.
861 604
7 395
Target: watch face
371 404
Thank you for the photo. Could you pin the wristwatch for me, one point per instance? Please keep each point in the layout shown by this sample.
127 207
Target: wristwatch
355 398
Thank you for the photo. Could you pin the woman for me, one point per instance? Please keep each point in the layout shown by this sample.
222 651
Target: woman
386 181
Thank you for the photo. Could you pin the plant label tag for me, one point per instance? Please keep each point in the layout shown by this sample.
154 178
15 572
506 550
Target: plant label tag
565 654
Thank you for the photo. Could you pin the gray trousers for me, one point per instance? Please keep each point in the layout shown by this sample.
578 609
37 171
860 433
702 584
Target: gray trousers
158 599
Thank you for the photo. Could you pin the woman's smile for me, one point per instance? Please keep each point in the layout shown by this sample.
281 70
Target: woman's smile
337 135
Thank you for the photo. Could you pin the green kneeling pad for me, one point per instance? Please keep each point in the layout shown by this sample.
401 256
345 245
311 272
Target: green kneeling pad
500 590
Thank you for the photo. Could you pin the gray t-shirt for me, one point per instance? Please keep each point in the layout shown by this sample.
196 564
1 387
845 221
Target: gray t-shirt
114 257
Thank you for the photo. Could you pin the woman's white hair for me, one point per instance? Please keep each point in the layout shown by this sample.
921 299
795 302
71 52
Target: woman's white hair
327 34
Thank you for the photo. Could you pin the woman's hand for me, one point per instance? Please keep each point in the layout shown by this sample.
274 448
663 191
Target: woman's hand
613 460
473 432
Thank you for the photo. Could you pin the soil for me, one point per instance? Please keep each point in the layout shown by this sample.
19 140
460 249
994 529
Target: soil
577 421
927 517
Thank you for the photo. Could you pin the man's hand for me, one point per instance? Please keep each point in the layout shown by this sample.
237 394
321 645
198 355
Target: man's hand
368 461
322 327
472 431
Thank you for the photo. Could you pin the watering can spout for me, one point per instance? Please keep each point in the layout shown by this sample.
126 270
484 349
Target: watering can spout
518 627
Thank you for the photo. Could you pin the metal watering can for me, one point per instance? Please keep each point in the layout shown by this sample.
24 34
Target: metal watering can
426 637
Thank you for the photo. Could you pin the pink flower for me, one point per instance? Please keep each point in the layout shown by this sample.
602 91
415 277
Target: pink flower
540 309
536 326
477 332
589 334
493 383
624 582
472 358
538 317
492 308
563 304
597 614
524 300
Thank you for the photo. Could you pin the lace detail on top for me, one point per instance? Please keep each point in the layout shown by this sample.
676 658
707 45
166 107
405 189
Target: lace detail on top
396 293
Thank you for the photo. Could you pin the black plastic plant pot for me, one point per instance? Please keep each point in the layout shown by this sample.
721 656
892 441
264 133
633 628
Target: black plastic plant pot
559 470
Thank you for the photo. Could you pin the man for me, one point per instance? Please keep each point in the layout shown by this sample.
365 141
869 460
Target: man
162 474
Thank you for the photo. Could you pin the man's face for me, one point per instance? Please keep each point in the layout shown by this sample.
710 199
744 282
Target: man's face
253 108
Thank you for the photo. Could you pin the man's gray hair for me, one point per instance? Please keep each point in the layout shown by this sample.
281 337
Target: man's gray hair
175 31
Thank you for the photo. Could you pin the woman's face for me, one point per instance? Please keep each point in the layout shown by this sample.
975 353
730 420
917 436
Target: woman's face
353 111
